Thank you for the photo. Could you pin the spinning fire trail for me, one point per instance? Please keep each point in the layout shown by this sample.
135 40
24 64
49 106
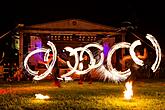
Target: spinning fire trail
110 73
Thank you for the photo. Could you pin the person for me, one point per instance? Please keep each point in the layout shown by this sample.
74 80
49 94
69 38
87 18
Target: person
55 70
6 71
12 71
135 68
14 68
18 74
85 62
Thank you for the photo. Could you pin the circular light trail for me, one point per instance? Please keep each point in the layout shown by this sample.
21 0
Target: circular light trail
78 53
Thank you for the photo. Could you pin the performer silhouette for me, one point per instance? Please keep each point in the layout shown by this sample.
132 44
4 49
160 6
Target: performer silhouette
56 69
135 69
87 75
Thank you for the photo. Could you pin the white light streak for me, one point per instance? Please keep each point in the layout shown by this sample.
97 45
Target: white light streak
132 53
28 56
73 69
66 79
111 73
117 75
54 51
92 64
158 52
49 67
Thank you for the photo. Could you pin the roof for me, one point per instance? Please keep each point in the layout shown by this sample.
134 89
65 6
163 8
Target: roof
71 24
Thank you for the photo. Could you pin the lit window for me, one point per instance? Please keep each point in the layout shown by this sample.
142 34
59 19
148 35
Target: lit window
52 37
58 37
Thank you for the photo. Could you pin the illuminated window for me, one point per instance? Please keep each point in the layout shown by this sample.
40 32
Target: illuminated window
70 38
58 37
48 37
52 37
55 37
79 38
64 38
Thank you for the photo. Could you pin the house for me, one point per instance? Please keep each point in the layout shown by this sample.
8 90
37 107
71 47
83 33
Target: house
69 32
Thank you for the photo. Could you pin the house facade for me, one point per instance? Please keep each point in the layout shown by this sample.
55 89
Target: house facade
69 32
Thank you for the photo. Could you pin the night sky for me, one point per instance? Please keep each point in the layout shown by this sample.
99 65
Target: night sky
147 16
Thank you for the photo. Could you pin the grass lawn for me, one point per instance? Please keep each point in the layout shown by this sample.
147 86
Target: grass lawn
148 95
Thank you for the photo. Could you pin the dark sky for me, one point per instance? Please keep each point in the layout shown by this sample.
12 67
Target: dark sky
148 16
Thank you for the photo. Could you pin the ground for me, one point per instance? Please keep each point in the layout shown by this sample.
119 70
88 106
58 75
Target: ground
148 94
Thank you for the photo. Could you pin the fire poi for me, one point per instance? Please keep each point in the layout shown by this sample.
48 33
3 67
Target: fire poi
110 73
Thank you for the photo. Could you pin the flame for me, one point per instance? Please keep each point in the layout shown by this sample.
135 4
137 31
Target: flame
40 96
128 93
